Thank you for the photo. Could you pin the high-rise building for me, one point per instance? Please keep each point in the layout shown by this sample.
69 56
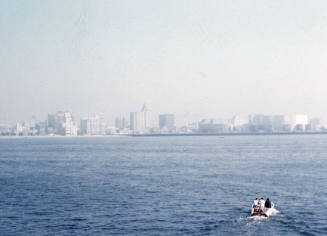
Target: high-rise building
61 123
121 123
167 121
145 113
70 127
140 121
136 121
55 123
92 126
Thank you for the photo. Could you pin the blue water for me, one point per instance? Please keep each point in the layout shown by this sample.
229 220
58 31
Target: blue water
162 185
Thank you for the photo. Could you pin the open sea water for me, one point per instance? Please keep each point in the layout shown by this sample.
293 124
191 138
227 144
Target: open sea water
162 185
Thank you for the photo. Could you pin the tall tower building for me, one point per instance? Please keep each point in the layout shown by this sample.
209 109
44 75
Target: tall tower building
145 116
70 127
136 121
140 121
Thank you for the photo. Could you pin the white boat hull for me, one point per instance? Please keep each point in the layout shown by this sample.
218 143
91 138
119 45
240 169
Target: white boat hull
266 212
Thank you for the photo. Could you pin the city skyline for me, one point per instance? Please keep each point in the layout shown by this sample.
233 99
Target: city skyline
141 121
189 58
154 116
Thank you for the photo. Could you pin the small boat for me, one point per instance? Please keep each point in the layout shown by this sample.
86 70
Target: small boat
258 209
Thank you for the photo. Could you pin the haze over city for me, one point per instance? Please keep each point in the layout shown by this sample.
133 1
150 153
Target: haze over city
163 117
195 59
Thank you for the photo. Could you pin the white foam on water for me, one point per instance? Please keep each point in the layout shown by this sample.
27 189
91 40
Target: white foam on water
274 212
253 220
257 217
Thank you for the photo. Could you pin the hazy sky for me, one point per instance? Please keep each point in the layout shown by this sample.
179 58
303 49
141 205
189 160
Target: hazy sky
192 58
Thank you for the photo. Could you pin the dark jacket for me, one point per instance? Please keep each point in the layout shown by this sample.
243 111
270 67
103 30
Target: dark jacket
268 203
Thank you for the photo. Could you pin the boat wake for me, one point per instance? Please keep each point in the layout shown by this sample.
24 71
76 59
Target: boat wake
257 219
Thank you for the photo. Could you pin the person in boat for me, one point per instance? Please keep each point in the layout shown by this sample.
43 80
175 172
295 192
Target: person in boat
268 203
262 203
256 202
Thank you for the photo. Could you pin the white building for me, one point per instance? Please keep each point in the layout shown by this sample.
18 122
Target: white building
140 121
136 121
26 128
92 125
70 127
61 123
238 123
19 128
278 123
297 122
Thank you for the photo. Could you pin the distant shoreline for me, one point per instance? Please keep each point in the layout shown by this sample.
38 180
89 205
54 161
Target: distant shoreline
172 134
230 134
